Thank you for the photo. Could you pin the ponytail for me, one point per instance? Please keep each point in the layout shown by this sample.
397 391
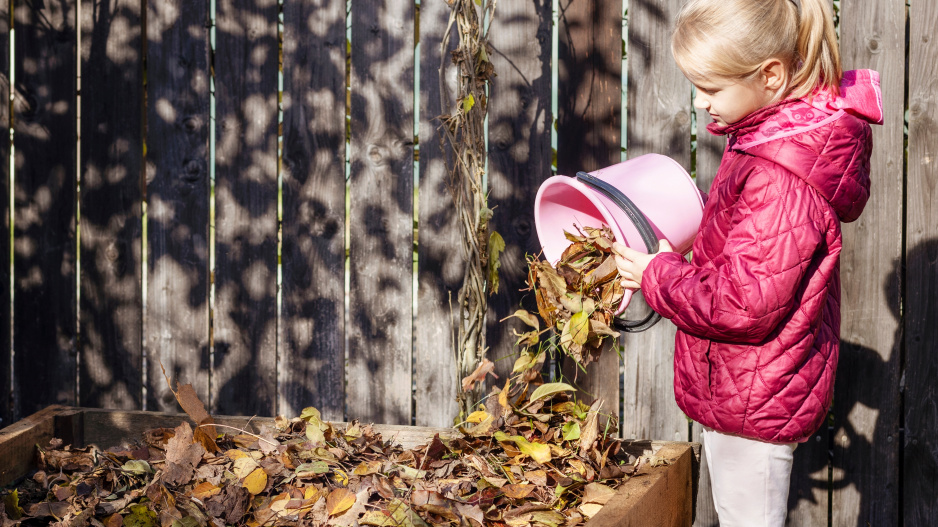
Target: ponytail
818 51
732 38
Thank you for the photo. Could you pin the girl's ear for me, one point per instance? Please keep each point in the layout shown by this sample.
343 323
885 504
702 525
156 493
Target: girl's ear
773 75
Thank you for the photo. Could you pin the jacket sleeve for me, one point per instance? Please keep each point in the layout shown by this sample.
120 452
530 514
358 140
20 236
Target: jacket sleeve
756 280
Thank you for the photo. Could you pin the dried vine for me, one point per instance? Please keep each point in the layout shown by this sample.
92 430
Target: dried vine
464 141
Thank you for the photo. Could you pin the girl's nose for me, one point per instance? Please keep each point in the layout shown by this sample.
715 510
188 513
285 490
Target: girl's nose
701 102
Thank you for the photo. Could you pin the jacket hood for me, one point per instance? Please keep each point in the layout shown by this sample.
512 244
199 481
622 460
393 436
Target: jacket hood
824 139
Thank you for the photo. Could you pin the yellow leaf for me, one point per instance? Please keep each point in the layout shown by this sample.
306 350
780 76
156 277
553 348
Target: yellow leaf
548 389
310 493
478 416
367 467
339 501
579 327
496 248
256 481
468 102
341 477
244 466
234 454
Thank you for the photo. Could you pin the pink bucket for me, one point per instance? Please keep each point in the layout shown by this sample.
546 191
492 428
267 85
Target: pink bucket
653 184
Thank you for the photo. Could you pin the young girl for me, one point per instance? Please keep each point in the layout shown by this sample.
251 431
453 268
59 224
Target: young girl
758 307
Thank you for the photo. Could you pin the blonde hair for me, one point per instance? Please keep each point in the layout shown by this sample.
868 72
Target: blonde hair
733 38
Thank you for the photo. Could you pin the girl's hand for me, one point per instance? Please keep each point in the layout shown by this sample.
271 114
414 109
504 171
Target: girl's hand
632 263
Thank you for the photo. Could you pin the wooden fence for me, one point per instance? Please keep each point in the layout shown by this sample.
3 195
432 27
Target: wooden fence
138 125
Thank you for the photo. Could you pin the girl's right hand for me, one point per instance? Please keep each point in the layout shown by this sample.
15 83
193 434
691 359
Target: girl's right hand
632 263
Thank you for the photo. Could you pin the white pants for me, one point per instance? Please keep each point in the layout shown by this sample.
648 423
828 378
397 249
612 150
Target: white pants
749 479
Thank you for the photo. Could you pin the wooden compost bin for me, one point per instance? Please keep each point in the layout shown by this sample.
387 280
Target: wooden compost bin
662 496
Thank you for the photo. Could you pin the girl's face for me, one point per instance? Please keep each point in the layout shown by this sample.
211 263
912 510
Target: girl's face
729 100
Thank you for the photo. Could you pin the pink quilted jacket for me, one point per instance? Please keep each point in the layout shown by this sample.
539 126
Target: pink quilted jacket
758 307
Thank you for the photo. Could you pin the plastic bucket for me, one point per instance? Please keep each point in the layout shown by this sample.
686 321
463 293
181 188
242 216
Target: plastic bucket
659 188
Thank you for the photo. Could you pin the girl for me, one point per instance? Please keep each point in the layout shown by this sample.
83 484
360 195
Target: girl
758 307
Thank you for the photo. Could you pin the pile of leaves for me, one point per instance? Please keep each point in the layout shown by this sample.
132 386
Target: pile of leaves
577 298
530 456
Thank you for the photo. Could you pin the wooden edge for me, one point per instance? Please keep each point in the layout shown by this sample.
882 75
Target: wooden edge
18 441
659 496
107 428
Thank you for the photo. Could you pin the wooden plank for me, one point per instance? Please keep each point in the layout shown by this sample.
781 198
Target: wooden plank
589 132
519 157
245 311
707 161
18 441
177 165
440 259
381 214
111 164
659 122
655 496
867 402
6 323
920 305
45 139
312 350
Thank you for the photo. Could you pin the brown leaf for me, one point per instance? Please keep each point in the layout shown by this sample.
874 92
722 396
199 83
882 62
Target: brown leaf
590 431
182 455
194 407
518 491
485 367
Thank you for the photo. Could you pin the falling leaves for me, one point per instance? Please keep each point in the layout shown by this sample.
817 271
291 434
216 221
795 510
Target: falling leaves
485 367
577 298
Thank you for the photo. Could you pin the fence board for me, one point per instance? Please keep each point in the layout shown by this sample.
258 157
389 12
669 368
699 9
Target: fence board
381 214
519 157
111 151
589 129
176 333
658 121
707 161
6 326
44 206
245 310
920 454
440 258
867 401
312 350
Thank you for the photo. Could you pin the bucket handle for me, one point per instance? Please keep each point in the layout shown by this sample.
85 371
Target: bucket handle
644 229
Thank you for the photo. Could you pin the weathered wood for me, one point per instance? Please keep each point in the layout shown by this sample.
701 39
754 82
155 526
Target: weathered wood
6 326
111 164
176 335
381 214
657 497
45 143
659 122
245 310
660 495
589 129
18 442
519 157
706 162
312 345
440 259
867 402
920 305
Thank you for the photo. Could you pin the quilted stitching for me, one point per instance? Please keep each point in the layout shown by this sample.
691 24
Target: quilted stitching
764 284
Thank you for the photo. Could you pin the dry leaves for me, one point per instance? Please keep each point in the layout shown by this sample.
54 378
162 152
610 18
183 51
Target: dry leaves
533 456
577 298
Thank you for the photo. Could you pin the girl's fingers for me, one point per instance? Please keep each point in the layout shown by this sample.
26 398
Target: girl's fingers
630 284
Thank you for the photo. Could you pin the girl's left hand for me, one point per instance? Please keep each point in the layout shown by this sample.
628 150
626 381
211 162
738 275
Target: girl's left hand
632 263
